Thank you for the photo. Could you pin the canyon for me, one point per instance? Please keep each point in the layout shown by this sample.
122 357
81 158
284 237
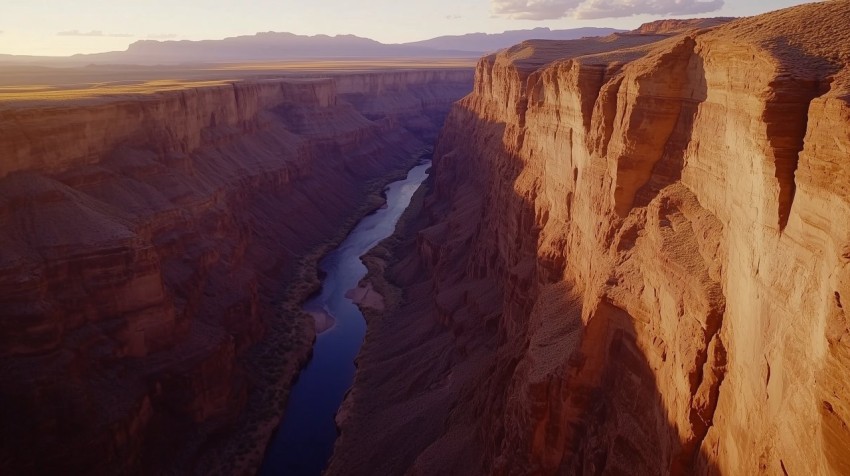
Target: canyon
156 242
632 257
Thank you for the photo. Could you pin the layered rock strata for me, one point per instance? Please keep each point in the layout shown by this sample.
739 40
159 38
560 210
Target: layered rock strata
634 258
150 259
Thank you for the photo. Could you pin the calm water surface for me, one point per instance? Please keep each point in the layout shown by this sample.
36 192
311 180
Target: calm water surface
304 441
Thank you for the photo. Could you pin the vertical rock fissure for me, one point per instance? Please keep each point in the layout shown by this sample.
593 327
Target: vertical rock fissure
636 159
787 117
604 114
236 100
713 355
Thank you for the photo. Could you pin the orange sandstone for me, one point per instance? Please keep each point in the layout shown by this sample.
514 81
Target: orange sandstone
634 259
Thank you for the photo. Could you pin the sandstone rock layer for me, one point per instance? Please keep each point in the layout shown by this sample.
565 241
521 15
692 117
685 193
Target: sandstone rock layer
148 244
634 258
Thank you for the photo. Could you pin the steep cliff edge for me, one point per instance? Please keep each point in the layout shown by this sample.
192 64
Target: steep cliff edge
633 259
154 249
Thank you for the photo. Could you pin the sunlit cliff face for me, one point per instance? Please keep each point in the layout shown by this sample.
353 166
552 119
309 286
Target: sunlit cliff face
631 260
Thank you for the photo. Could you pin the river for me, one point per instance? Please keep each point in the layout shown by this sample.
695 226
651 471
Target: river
304 441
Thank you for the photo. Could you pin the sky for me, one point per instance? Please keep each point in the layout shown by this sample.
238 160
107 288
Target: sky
65 27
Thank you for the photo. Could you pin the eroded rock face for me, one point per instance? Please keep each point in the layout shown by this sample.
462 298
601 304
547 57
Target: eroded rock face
145 243
633 259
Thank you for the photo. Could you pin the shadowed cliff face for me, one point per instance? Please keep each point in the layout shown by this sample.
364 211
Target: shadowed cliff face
154 249
624 265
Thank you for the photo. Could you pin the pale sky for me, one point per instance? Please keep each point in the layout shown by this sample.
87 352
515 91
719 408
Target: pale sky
64 27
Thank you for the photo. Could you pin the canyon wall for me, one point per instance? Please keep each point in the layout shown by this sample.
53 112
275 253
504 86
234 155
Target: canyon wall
633 258
153 250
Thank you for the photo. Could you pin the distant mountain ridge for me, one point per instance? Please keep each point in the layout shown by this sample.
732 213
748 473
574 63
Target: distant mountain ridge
276 46
490 42
264 46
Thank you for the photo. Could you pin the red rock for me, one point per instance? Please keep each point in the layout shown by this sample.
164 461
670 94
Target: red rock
145 242
632 260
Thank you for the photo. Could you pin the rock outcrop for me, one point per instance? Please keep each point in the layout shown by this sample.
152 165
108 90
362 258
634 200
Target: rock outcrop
668 26
150 251
633 258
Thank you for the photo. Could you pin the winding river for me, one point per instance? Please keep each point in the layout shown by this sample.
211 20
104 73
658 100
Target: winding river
304 441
